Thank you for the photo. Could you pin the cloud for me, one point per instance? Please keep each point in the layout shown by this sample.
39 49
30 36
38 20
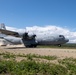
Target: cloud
15 29
48 30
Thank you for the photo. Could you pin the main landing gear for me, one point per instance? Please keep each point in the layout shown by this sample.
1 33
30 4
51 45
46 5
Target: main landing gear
31 46
59 45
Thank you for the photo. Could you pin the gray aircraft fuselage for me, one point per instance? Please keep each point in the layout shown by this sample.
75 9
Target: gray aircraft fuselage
46 40
31 40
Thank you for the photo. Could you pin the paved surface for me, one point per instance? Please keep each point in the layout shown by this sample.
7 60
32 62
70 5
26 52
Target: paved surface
20 49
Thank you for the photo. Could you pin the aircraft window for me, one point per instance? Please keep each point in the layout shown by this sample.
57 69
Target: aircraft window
60 35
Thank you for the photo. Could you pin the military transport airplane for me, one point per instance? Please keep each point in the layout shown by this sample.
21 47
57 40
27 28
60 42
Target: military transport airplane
32 40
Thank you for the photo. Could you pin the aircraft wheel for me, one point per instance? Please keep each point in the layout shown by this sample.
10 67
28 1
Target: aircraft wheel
34 46
59 45
27 46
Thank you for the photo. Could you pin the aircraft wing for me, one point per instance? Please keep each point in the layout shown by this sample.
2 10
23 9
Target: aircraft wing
8 32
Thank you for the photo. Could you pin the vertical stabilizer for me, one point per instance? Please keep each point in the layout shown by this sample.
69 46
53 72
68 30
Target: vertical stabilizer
2 26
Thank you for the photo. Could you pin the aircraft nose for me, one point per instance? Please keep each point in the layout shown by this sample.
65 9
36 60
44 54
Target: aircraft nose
67 40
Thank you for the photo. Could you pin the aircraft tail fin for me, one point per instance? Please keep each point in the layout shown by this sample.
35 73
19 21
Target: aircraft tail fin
2 26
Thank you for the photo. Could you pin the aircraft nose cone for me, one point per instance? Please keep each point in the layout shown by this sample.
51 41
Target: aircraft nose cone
67 40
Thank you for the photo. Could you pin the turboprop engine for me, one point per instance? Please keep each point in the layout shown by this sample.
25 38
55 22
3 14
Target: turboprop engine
29 40
28 37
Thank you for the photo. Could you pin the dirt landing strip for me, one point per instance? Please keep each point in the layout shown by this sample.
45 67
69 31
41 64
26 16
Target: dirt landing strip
62 53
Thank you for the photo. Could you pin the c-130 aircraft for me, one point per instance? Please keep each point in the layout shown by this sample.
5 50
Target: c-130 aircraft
31 40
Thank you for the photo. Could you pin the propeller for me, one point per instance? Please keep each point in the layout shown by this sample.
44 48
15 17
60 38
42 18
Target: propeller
26 36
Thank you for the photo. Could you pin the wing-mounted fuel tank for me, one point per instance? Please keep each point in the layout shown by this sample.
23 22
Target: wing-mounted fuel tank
29 40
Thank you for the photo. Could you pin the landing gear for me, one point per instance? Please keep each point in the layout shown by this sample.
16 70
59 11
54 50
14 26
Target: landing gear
34 46
27 46
31 46
59 45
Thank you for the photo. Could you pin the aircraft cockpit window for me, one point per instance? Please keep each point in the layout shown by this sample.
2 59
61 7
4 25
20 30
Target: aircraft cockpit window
60 35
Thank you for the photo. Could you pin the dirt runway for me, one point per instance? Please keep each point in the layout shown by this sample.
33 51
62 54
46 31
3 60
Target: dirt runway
61 53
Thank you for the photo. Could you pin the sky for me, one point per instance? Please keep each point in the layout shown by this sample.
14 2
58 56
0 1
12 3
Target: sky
22 14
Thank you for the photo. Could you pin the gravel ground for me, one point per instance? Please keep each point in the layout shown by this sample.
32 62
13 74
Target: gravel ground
20 49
